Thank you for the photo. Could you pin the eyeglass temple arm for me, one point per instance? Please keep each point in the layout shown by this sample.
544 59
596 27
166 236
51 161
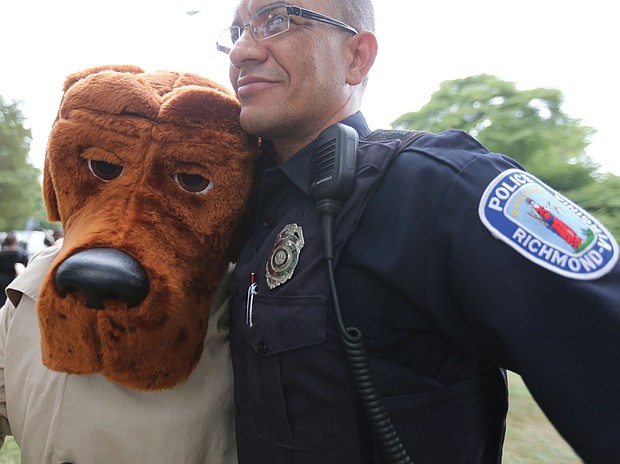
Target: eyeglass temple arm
303 13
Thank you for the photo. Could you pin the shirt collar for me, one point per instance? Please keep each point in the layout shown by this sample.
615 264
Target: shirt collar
297 167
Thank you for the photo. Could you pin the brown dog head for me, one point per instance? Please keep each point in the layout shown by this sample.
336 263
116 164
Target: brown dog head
150 175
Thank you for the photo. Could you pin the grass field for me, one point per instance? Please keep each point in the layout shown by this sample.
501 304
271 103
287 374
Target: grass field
530 439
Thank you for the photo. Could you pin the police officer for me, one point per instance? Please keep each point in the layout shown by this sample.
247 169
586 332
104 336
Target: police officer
452 261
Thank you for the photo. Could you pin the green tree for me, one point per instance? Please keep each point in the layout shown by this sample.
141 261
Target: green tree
529 126
602 199
20 189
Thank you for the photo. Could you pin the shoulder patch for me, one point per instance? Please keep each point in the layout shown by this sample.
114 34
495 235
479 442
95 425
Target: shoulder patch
546 227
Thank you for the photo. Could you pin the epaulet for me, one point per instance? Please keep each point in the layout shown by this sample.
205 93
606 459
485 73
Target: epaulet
407 137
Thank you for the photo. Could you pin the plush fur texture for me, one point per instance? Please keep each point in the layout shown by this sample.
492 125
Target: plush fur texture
166 132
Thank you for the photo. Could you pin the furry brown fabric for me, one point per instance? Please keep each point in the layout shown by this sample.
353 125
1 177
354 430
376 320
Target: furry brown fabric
151 136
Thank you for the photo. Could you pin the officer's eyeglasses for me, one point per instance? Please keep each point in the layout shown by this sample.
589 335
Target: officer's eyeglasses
272 21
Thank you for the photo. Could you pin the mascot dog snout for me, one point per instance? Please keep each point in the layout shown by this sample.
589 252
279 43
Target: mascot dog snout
103 273
151 176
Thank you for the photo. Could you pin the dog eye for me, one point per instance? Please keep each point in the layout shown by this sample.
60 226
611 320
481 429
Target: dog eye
193 183
104 171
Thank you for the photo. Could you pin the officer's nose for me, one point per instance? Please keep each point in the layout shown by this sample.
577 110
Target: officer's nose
246 49
103 273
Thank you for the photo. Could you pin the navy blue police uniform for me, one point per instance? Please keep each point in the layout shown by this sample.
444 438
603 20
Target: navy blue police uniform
461 265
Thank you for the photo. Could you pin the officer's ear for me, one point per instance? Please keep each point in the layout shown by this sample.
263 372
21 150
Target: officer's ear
362 53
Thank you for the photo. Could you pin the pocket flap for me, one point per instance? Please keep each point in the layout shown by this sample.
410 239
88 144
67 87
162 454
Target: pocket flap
284 323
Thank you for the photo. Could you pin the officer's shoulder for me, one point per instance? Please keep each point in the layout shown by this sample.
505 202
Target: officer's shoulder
452 149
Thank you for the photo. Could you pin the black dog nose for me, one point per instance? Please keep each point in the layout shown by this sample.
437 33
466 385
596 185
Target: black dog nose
103 273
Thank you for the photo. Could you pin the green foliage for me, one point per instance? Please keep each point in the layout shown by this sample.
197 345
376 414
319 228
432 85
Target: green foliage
529 126
20 189
10 454
602 199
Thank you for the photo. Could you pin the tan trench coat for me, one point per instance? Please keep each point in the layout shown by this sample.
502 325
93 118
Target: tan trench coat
86 419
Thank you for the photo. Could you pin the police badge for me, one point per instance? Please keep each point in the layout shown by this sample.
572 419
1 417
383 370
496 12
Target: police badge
284 255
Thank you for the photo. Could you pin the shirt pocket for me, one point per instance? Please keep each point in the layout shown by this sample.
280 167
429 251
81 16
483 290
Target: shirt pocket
294 396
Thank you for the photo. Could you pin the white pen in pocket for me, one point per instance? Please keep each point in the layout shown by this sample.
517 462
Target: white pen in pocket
249 306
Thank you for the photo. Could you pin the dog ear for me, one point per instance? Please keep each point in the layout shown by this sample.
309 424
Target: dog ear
49 194
241 231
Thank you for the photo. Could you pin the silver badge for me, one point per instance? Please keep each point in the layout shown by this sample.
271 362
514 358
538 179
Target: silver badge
284 255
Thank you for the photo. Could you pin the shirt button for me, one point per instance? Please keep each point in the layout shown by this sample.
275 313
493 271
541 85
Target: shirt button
237 348
237 291
268 223
262 347
237 410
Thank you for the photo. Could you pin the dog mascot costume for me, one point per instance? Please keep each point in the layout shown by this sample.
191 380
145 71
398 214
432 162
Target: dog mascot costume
113 342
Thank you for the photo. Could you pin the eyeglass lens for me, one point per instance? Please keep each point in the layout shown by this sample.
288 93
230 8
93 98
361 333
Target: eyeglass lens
265 24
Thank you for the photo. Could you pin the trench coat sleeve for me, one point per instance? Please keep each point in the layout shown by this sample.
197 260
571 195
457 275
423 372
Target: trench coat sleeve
6 314
5 428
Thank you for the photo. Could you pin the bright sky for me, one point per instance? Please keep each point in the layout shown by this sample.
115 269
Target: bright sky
571 46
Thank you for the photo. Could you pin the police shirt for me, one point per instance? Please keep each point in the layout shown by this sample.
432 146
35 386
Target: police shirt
462 264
